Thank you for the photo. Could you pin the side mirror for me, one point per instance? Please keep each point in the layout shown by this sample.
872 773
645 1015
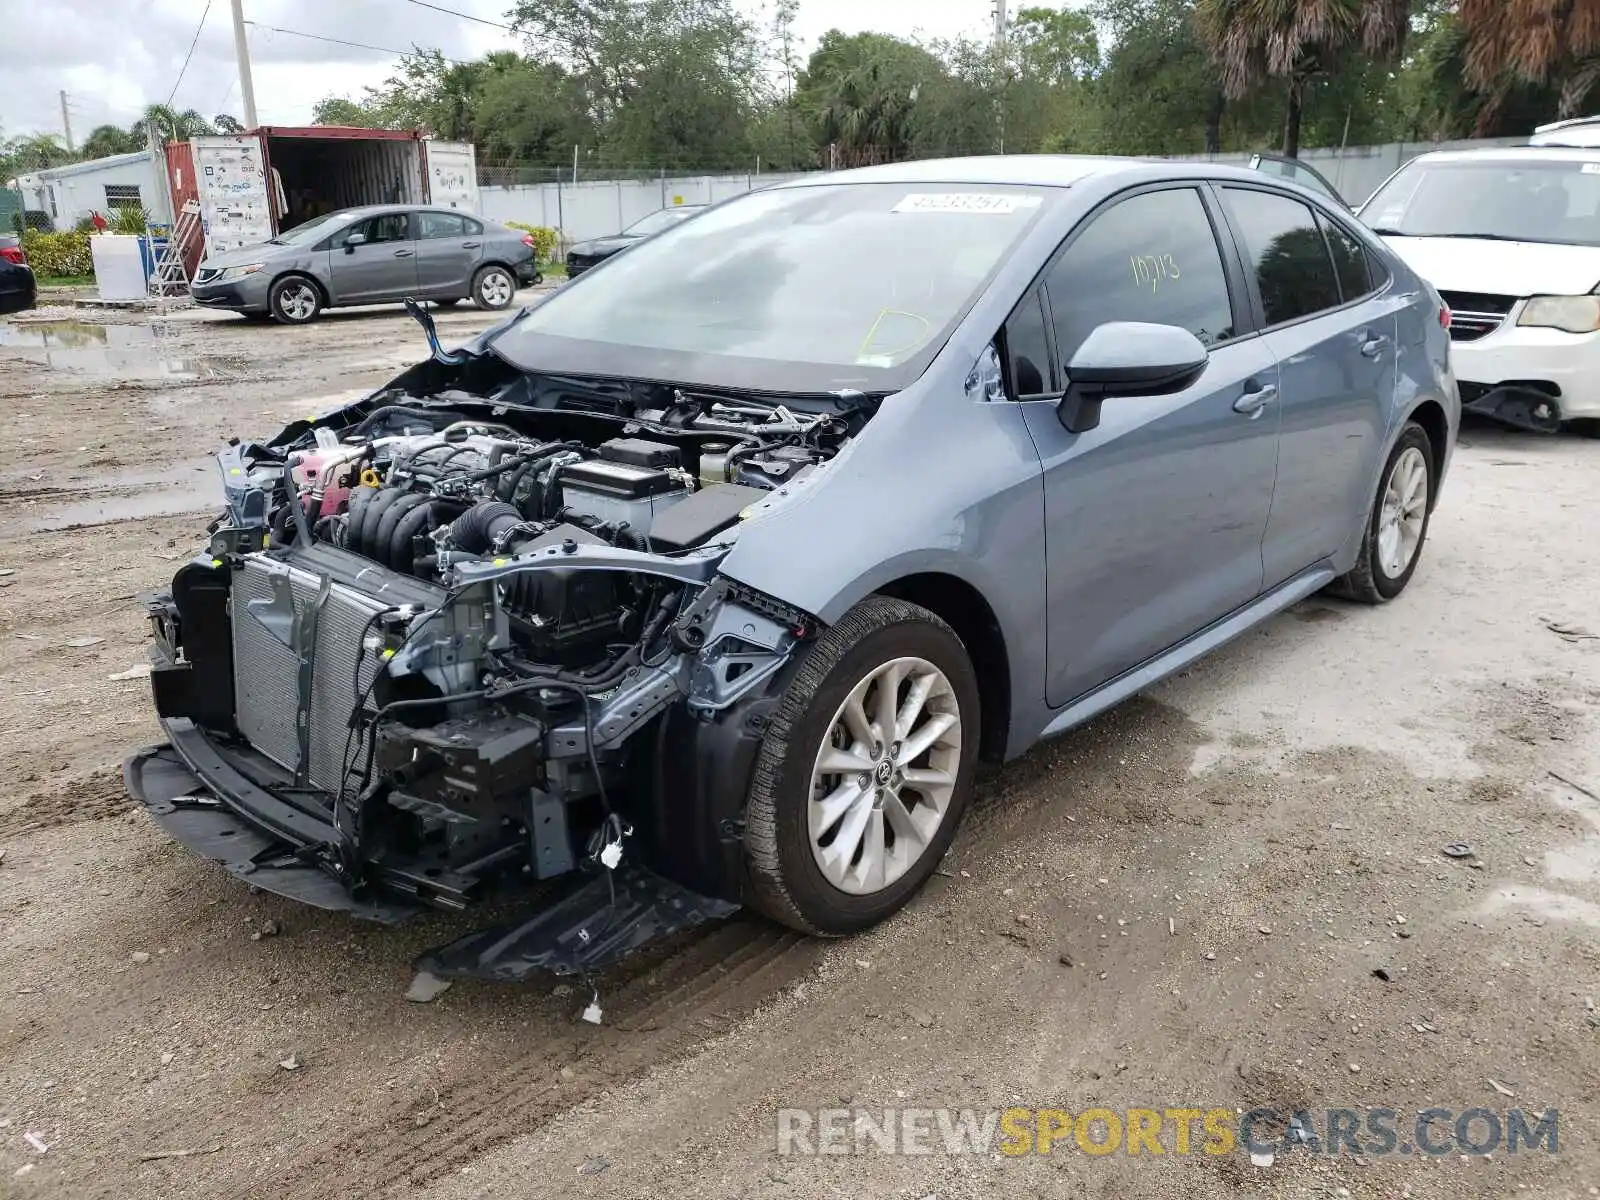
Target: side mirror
1128 358
354 240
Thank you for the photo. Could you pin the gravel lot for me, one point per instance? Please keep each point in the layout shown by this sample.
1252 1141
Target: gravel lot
1180 905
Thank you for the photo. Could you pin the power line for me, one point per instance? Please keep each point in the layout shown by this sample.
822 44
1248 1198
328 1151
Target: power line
464 16
190 55
317 37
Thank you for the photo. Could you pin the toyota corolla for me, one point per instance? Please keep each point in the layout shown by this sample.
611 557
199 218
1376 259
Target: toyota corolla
709 581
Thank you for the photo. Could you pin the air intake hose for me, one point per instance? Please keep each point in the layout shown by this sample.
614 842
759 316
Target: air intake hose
482 525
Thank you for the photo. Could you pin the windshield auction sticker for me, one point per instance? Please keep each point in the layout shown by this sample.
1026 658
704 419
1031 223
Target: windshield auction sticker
965 202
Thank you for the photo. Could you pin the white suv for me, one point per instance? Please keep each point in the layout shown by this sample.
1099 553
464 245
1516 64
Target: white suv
1511 239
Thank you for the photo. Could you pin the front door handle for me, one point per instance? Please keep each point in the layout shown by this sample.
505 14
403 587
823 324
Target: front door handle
403 253
1373 346
470 245
1256 399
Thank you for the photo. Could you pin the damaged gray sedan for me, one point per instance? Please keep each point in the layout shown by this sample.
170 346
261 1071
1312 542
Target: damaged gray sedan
708 581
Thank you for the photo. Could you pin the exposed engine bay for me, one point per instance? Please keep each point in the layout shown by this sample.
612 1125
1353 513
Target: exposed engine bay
457 634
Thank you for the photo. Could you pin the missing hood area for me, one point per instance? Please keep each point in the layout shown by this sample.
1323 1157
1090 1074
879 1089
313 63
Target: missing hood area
467 640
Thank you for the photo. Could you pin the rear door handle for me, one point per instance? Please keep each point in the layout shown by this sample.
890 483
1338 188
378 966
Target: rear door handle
403 253
1256 399
1373 346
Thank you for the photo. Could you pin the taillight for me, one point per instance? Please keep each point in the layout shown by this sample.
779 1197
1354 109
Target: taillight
14 254
1445 316
527 240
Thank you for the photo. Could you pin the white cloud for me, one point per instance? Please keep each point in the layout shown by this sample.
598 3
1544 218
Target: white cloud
114 57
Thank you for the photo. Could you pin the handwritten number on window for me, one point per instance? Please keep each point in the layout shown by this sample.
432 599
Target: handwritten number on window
1152 270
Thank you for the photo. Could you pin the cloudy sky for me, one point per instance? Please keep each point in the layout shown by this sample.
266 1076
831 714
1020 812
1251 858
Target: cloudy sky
113 57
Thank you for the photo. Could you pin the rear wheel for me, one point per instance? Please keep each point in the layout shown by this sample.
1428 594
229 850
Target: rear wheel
295 300
865 771
1391 546
493 288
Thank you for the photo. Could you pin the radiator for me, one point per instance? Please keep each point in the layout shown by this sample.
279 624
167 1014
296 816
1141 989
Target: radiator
265 668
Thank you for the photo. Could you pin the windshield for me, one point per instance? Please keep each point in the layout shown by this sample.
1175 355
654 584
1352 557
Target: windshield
309 231
1556 201
806 289
657 221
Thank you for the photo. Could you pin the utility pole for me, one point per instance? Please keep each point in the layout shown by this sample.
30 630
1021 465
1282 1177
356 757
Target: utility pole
1002 62
241 47
66 121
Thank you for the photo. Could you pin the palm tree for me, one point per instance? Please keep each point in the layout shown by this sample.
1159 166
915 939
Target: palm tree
171 125
1253 41
106 140
1532 41
37 151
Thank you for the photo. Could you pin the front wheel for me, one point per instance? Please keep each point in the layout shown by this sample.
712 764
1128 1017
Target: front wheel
865 771
493 288
1391 545
295 300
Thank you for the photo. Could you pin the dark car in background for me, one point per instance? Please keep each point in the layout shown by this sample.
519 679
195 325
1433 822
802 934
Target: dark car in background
18 289
596 250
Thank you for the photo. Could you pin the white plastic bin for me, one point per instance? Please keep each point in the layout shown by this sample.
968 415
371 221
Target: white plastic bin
118 266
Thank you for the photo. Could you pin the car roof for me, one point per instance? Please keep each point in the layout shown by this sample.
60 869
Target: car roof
1514 154
378 210
1039 170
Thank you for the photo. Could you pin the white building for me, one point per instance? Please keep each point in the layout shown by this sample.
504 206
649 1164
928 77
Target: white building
72 192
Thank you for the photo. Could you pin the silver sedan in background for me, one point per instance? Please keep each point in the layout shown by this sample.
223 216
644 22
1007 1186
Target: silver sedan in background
370 256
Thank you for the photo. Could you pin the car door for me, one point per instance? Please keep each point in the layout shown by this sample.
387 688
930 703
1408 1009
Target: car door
1335 343
449 246
1154 519
380 265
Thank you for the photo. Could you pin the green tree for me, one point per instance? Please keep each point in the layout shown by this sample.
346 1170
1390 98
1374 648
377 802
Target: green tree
1055 47
530 114
36 152
665 81
170 125
340 110
227 123
106 140
1295 42
1157 91
862 95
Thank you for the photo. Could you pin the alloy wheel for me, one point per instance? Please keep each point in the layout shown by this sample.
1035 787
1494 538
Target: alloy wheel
299 302
495 288
1404 513
884 777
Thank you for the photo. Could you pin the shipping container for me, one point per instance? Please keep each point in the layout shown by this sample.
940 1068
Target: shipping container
254 185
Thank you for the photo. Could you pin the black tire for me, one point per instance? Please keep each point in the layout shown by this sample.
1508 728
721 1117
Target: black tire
786 882
499 283
1369 582
295 300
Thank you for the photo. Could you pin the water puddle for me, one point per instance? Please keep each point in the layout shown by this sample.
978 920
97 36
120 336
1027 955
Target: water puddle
123 496
111 351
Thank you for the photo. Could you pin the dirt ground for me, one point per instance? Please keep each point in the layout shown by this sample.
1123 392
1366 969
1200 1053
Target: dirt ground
1180 905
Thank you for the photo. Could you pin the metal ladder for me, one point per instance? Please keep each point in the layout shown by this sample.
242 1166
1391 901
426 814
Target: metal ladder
170 277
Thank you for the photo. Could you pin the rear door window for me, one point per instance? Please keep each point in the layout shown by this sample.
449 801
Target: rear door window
432 225
1293 269
1350 262
1153 257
